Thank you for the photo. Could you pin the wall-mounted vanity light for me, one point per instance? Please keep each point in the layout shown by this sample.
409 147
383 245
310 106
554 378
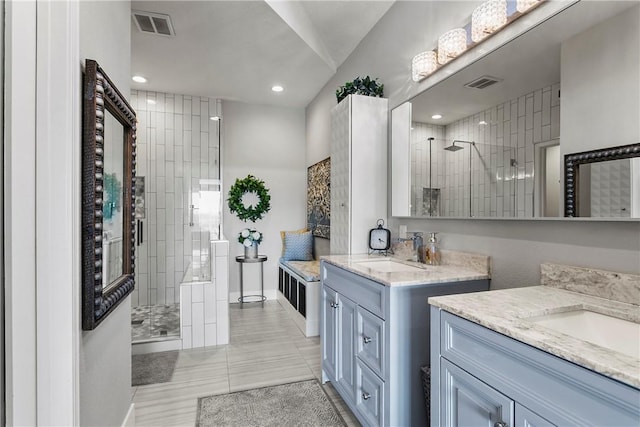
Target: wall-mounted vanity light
423 64
487 19
524 5
451 44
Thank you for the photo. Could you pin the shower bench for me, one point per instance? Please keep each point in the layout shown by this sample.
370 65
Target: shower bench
299 290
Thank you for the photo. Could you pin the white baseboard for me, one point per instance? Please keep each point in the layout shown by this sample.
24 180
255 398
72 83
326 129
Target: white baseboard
130 419
270 294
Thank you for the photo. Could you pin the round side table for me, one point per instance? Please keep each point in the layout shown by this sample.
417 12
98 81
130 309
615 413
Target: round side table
242 260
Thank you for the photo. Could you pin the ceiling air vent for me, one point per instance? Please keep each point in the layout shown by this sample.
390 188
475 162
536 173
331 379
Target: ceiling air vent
483 82
153 23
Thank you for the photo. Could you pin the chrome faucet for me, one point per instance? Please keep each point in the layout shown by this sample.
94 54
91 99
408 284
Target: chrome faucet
418 242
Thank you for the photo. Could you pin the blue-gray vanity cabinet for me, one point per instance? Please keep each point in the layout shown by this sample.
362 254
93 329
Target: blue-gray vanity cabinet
380 335
467 401
543 389
328 329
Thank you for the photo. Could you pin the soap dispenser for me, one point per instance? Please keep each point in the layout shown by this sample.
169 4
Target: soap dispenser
433 251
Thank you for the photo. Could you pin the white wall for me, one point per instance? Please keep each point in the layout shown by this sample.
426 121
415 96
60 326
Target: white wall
268 143
105 353
517 247
601 112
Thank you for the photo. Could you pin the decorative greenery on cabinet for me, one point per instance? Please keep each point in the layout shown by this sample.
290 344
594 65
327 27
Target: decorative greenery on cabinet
360 86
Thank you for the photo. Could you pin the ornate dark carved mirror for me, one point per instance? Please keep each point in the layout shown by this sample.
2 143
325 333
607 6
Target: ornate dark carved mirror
108 170
608 174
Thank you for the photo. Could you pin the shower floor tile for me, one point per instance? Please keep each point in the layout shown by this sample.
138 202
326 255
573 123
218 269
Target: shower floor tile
155 321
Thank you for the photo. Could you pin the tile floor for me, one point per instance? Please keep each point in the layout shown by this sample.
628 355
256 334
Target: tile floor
155 321
266 349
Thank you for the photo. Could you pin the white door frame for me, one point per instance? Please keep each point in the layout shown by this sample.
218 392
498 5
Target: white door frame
42 212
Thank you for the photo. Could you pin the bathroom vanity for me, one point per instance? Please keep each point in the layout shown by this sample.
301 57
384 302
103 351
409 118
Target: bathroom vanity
375 330
540 355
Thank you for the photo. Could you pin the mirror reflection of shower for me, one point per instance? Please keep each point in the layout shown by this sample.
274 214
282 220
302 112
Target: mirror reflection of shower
453 147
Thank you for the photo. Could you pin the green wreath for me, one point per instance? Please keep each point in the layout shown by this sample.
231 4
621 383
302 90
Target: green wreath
250 184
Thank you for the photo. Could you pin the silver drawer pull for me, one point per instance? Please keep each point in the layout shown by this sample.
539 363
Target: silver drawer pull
366 339
500 424
367 396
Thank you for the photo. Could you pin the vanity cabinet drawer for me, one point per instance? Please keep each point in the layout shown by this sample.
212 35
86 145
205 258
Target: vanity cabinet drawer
371 340
369 395
369 294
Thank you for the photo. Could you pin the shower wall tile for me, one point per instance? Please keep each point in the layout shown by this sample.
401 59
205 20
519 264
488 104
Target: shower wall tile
197 293
210 303
170 267
161 286
170 296
210 334
186 335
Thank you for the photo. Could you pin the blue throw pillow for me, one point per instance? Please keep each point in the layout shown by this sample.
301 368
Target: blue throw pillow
298 246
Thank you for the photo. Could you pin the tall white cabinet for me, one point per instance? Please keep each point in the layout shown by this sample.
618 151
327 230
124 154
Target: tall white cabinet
358 171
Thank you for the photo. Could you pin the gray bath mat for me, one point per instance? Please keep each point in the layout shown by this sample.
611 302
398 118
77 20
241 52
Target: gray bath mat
152 368
297 404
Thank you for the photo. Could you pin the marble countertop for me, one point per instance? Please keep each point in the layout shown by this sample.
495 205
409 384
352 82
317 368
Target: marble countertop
458 267
506 311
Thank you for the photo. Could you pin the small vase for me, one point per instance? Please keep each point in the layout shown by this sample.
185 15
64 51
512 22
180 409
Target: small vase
251 251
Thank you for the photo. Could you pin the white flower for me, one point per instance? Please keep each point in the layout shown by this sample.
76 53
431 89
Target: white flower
248 236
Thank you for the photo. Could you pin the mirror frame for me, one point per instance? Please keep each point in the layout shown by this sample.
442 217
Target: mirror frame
99 93
572 164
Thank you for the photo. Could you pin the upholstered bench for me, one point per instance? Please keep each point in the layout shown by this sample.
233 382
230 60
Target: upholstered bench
299 292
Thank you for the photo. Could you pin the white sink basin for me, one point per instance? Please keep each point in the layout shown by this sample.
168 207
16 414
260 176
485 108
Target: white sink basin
388 266
606 331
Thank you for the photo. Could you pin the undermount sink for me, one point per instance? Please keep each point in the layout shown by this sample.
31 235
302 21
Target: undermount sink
606 331
386 265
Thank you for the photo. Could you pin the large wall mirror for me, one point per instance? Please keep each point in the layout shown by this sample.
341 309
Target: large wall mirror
567 86
108 162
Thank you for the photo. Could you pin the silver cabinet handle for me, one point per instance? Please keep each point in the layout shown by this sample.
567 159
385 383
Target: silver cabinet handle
501 424
367 396
366 339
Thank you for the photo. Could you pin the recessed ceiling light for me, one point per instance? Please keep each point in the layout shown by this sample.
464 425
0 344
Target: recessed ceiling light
277 88
214 118
482 122
139 79
151 101
436 116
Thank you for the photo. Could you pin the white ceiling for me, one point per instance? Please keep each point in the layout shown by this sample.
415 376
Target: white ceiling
237 50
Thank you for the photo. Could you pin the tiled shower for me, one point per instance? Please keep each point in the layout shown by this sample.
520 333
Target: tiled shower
496 176
178 203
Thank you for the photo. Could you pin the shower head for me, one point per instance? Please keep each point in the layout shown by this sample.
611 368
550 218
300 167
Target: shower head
454 147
